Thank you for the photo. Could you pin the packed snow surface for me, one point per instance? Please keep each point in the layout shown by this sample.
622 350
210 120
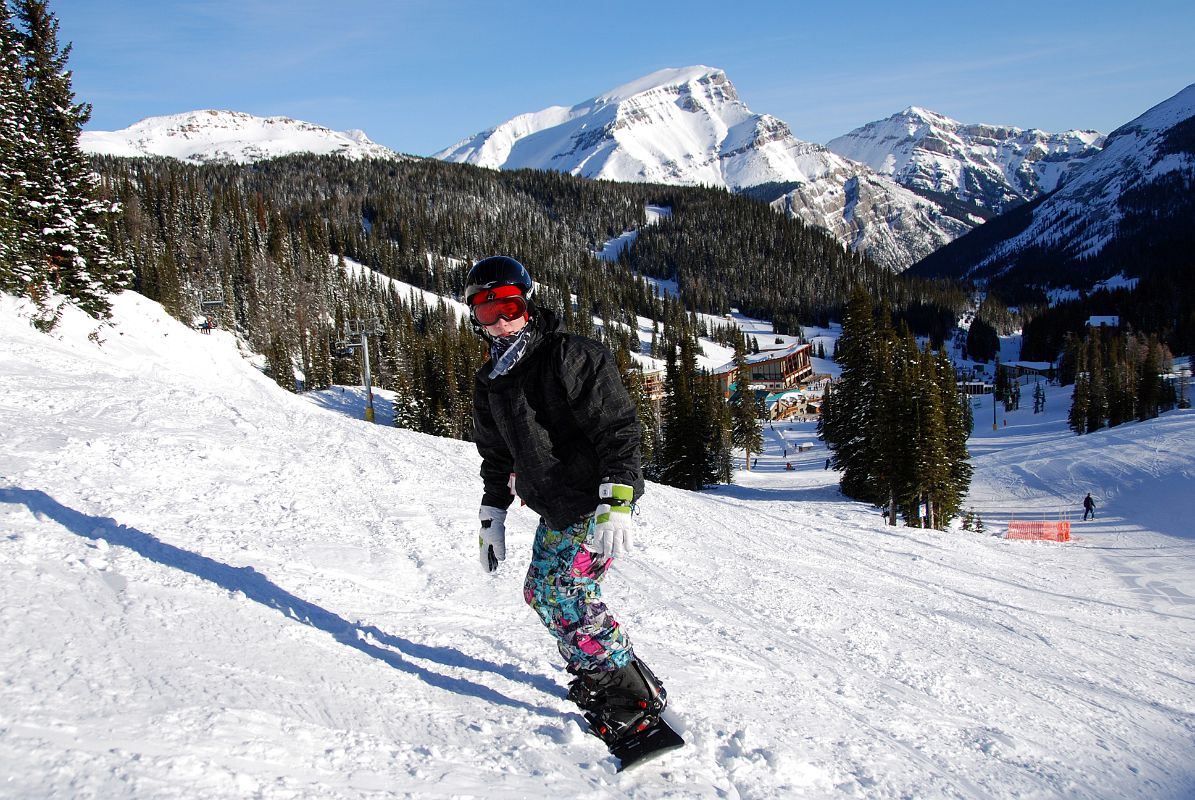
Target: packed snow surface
216 589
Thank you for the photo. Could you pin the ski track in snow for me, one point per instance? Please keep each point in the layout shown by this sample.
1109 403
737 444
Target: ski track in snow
217 589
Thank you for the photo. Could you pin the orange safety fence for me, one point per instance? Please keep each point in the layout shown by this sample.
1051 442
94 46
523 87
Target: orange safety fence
1040 530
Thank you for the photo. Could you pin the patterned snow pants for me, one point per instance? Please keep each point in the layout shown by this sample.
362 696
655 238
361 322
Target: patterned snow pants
563 586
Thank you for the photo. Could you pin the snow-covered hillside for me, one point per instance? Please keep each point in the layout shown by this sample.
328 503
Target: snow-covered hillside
228 136
689 127
993 166
1152 154
216 589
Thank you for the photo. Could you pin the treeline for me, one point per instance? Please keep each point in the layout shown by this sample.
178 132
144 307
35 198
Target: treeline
730 251
895 422
423 221
53 246
1154 243
260 237
1117 378
1161 303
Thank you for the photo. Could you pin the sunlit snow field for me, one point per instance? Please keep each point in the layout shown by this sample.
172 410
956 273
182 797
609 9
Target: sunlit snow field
213 588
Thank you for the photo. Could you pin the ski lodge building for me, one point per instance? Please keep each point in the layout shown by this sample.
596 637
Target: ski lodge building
771 370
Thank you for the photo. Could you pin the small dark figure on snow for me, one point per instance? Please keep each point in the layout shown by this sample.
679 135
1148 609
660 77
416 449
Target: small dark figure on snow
1088 507
549 407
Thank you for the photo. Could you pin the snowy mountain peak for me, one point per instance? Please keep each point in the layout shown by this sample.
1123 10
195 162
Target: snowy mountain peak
688 126
927 116
211 136
682 78
990 166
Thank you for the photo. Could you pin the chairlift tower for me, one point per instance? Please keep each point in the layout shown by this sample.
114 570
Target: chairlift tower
356 335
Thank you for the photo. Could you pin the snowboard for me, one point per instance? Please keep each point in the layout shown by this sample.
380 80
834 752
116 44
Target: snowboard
644 745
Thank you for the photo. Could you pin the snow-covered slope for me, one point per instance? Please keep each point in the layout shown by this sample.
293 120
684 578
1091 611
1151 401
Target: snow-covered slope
212 588
688 126
1136 191
228 136
1083 216
993 166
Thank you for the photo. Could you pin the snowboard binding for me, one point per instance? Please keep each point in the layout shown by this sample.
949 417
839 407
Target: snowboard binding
621 703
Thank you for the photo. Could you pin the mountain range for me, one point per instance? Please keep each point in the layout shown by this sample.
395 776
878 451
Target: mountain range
688 126
1127 211
992 167
210 136
900 190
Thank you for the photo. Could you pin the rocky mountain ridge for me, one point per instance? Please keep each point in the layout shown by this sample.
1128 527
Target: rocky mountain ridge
994 167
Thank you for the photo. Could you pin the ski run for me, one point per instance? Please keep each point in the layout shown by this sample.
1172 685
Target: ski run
215 589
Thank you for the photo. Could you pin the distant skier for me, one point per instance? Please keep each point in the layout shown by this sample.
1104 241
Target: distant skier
1088 507
549 407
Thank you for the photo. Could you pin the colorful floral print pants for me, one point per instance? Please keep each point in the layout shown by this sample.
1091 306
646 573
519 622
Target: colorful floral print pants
564 587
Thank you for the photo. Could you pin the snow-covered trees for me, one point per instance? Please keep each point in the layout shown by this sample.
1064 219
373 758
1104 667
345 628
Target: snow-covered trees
52 216
16 145
895 422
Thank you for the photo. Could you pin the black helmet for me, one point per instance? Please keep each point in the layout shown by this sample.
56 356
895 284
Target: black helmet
497 271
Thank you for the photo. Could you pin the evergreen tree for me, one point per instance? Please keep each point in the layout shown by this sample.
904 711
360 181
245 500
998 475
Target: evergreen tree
17 269
930 476
1149 384
848 419
74 245
1080 403
1097 391
956 412
746 428
896 423
686 460
892 406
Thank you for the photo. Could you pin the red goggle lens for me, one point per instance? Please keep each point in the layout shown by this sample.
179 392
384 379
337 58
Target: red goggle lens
507 308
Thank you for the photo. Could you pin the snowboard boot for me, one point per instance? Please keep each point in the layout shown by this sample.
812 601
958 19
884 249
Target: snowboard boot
619 703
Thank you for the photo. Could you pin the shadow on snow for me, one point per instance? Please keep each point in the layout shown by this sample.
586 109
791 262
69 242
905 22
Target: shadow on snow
365 638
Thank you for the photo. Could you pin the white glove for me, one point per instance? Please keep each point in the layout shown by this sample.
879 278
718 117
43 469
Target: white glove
612 529
492 542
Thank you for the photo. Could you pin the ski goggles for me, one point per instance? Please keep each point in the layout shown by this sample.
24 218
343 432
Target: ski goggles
488 312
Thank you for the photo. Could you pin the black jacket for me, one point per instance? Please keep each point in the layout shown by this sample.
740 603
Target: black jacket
561 420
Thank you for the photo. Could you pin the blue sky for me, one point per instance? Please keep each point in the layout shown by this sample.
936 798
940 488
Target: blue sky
419 76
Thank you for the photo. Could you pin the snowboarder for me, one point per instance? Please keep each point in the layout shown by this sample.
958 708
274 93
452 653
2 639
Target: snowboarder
1088 507
554 424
